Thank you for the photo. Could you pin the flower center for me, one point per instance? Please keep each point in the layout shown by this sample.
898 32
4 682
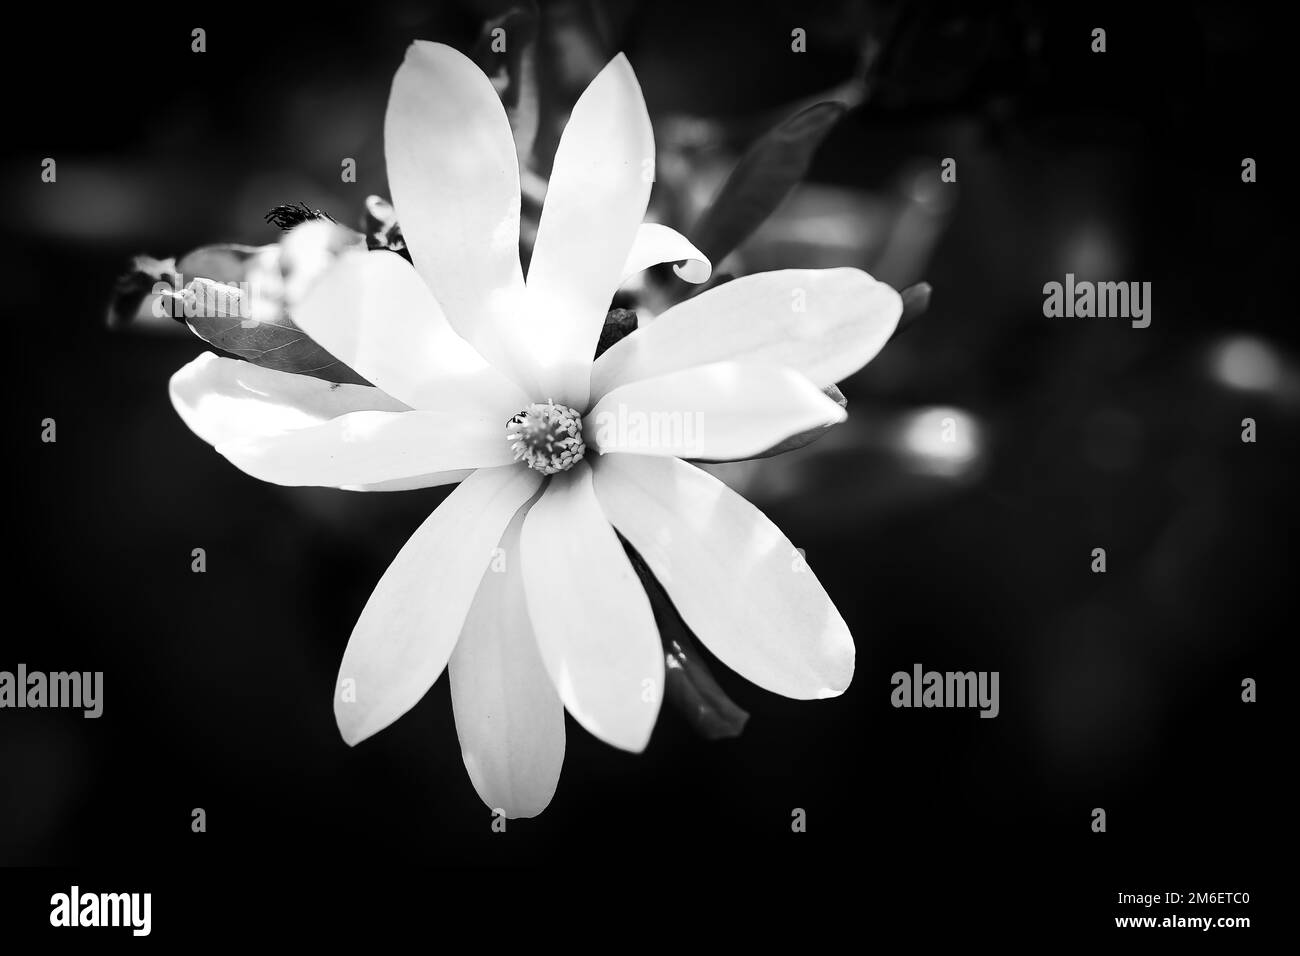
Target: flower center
547 437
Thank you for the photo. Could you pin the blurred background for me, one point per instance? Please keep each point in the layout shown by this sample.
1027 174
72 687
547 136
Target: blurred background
1118 690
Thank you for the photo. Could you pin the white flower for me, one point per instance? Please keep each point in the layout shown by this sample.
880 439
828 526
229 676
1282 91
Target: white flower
481 377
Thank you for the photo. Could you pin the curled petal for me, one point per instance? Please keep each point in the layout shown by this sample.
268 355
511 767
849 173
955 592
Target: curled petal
655 244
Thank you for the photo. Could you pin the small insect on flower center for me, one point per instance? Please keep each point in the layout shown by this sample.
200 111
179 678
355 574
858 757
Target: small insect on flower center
547 437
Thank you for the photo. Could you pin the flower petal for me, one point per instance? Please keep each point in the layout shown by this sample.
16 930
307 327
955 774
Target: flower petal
373 312
362 448
454 179
594 625
509 719
595 202
409 626
733 576
224 399
824 323
655 244
716 412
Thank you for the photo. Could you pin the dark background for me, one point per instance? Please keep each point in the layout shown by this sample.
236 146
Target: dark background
1119 691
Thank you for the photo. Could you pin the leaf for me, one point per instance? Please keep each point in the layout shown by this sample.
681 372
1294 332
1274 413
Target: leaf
772 167
271 343
688 684
274 277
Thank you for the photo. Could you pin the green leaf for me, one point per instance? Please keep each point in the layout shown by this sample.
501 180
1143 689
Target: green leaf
772 167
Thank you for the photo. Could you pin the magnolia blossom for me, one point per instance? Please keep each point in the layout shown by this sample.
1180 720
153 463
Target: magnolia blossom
518 583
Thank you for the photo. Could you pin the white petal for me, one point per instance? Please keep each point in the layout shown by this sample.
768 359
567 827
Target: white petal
593 620
715 412
368 447
372 311
734 577
409 626
655 244
224 399
454 179
594 205
309 250
509 719
824 323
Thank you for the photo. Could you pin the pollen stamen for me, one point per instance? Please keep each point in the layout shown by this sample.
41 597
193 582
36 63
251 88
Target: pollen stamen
547 437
